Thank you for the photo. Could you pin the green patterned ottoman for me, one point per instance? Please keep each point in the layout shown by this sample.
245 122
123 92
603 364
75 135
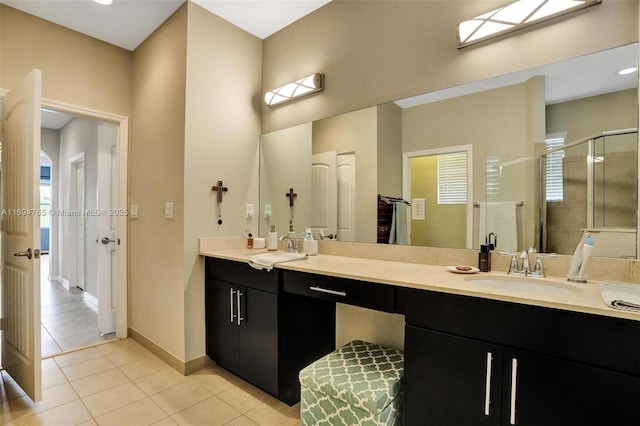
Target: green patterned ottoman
357 384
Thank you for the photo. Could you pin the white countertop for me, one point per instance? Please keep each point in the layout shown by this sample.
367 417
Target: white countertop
586 298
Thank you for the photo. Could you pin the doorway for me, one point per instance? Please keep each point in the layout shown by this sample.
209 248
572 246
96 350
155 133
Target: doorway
439 183
85 182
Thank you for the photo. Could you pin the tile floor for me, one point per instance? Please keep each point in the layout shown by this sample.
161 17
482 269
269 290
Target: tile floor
121 383
69 320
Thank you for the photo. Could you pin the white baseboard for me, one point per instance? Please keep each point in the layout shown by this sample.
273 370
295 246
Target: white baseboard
90 298
64 282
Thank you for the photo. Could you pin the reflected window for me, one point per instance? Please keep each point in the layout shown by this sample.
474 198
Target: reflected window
555 175
452 178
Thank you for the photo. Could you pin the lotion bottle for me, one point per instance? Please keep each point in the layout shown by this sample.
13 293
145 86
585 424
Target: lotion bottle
484 258
272 239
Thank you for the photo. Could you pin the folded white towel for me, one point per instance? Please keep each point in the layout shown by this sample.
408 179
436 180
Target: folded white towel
266 261
621 296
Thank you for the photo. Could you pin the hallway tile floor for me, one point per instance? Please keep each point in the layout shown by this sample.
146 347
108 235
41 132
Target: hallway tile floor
69 320
121 383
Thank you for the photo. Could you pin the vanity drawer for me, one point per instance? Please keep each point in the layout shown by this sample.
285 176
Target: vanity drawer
241 273
343 290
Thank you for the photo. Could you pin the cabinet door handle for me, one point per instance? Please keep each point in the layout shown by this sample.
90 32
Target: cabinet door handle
487 385
514 387
326 290
239 295
232 293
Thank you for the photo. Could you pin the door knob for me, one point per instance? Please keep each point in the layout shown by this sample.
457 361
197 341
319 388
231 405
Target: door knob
28 254
107 240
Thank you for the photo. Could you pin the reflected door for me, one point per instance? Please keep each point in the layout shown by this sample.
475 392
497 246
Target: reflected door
324 206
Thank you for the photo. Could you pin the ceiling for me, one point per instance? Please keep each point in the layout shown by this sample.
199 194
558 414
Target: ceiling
127 23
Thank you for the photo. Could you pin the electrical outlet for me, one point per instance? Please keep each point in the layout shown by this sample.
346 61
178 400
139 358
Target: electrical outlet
168 210
250 212
267 211
418 206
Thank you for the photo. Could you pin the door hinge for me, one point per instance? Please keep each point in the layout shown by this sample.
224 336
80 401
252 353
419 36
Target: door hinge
1 323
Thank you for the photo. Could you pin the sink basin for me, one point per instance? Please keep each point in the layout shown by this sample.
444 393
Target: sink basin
525 285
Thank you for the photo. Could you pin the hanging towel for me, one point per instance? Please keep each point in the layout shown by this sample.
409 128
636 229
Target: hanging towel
398 233
266 261
499 218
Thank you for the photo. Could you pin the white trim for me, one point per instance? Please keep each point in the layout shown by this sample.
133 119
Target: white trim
121 224
406 180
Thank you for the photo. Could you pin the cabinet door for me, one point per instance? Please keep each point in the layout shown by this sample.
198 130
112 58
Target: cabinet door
450 380
258 344
550 391
221 324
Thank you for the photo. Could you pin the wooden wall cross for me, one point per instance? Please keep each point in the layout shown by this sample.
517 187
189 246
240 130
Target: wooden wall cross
292 195
219 189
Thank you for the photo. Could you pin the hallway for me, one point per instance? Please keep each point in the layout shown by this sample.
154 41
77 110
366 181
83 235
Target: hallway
69 320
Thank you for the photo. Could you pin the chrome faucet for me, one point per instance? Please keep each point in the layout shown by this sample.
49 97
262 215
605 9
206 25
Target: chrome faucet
524 269
292 244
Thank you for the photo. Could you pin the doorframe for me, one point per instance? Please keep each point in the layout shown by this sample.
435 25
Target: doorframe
122 146
406 179
74 162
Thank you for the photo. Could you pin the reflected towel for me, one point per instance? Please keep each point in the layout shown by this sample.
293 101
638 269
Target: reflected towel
398 232
266 261
499 218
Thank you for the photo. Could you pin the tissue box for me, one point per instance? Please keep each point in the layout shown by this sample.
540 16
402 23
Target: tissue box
310 247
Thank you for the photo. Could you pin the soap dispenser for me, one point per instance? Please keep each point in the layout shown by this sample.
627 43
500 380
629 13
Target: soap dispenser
272 239
484 258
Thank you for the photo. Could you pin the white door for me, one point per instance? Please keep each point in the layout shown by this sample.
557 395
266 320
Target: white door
21 355
106 222
346 174
80 225
324 188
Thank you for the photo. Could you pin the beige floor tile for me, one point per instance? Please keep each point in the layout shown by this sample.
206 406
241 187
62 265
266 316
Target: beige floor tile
210 412
9 389
117 346
166 422
129 355
266 415
180 397
112 399
53 378
139 413
49 364
6 415
51 398
242 421
89 423
239 399
76 357
87 368
99 382
162 380
216 379
143 367
72 413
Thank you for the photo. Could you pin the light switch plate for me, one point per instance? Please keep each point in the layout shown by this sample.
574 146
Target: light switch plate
133 211
168 210
267 211
250 211
418 207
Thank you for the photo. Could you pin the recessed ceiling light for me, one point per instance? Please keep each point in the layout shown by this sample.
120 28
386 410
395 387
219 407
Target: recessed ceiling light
105 2
627 71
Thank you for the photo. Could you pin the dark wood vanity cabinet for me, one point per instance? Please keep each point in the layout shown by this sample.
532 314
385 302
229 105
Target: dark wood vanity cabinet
260 333
472 361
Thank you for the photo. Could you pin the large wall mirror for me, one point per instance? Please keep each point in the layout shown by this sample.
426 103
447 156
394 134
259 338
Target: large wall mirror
437 169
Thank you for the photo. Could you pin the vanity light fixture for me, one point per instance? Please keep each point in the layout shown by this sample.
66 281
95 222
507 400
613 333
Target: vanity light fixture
299 88
104 2
626 71
515 16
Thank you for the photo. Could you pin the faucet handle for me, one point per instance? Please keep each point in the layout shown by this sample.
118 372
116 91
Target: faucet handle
513 266
538 270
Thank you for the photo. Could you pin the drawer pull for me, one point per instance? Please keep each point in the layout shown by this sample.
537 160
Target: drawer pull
232 293
239 316
487 387
326 290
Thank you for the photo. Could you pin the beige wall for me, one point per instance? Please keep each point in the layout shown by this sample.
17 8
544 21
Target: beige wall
389 145
156 176
373 52
77 69
222 136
